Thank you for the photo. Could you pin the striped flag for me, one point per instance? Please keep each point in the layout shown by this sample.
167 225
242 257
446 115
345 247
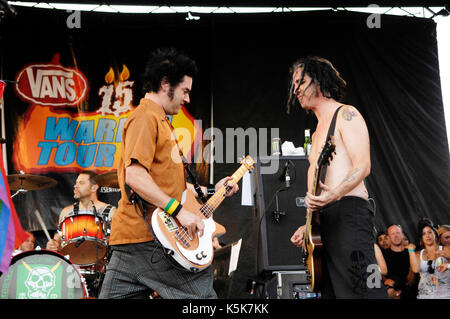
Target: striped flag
11 231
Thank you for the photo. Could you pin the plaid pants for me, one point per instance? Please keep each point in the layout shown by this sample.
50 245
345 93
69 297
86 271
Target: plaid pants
136 270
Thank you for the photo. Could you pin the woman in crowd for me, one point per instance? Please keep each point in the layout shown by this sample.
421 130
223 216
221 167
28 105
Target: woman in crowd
431 264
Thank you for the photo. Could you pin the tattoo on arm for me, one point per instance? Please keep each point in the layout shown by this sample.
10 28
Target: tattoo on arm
351 175
348 114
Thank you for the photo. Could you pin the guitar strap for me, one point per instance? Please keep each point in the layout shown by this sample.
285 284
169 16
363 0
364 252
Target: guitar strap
187 165
330 133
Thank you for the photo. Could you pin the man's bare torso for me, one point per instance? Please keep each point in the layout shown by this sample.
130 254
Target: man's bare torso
341 164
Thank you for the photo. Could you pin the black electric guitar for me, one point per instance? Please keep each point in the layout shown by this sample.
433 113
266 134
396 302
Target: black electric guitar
312 246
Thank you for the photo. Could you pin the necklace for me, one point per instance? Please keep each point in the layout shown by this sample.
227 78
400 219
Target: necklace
427 256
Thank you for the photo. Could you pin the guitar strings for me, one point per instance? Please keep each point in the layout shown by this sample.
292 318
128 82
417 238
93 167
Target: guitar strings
208 208
218 197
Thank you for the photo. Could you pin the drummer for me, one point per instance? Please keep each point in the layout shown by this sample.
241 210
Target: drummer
85 194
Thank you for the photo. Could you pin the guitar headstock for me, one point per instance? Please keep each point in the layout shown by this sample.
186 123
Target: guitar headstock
248 162
327 152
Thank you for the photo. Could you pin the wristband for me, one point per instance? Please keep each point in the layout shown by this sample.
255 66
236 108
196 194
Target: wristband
171 206
177 210
411 250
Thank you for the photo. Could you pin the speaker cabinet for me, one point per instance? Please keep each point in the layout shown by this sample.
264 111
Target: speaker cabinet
281 210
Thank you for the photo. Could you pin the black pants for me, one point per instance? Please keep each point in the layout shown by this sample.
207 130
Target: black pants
350 265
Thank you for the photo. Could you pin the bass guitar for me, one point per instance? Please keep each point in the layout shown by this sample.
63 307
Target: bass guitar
194 254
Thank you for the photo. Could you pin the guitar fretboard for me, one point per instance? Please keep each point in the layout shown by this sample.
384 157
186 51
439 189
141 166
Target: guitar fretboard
210 206
317 172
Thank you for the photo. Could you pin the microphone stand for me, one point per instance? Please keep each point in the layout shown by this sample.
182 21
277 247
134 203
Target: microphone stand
277 213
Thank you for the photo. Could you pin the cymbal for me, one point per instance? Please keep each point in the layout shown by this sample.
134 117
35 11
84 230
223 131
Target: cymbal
30 182
107 180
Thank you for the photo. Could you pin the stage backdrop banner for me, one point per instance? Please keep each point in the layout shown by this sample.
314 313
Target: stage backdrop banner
67 109
77 86
53 136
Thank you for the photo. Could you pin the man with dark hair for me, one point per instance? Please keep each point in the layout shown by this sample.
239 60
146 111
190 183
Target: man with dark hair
87 221
346 218
383 240
150 165
85 193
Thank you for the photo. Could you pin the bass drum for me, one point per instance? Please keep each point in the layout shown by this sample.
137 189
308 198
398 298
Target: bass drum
42 274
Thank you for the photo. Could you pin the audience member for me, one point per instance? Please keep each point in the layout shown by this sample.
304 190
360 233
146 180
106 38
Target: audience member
383 240
405 239
444 235
380 260
400 278
28 244
431 264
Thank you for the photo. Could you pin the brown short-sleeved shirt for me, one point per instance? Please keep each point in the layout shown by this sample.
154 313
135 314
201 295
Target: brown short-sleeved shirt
147 139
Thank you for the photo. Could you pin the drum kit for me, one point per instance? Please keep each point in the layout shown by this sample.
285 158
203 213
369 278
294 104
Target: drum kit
76 271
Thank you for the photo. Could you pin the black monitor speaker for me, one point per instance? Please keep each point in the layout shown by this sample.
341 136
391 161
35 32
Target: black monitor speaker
280 190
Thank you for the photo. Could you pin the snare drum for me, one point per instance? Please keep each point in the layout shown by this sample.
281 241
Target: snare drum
82 238
42 274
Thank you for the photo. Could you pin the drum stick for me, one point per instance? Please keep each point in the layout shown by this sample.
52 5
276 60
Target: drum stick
41 221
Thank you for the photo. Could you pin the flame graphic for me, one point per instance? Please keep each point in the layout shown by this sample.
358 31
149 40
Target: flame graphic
125 74
109 77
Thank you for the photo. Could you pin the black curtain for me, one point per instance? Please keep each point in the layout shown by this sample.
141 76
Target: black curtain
392 74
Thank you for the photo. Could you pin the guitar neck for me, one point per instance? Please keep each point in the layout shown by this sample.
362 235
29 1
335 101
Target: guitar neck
317 173
210 206
315 192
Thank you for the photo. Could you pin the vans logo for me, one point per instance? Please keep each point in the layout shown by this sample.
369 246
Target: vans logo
51 84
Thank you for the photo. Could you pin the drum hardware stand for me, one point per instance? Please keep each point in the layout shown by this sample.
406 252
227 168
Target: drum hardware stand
97 281
21 190
79 242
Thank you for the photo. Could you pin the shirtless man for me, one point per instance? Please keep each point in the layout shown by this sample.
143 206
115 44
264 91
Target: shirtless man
85 193
345 215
